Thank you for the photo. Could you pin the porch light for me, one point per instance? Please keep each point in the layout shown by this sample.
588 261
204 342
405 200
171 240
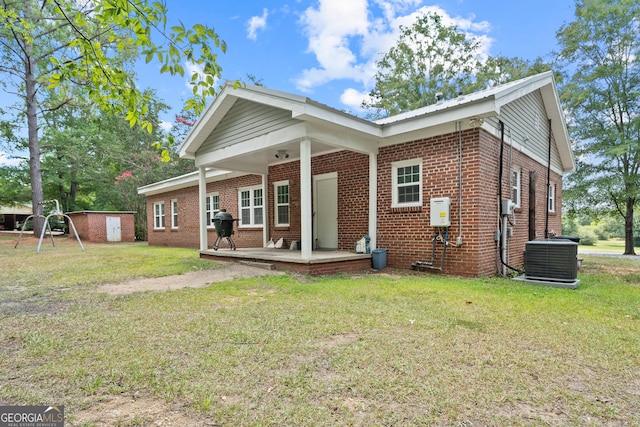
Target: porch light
475 122
282 154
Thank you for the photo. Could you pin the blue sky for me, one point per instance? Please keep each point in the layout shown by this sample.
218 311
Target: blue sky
327 49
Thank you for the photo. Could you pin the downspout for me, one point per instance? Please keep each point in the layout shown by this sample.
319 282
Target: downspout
459 238
546 218
502 216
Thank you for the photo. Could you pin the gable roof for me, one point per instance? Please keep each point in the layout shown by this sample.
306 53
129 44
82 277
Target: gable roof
223 138
487 103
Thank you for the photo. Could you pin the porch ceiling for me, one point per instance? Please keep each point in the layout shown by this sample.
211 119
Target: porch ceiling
256 154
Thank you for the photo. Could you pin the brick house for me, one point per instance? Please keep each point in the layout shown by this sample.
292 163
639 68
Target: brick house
291 168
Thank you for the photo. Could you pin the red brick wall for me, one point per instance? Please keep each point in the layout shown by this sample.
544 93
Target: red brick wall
92 226
353 195
406 233
187 234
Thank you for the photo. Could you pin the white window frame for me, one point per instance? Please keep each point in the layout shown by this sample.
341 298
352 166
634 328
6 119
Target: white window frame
516 186
252 207
395 186
551 201
174 213
158 215
210 209
277 204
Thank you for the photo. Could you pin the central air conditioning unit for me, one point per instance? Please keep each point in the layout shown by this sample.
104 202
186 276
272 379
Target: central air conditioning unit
552 262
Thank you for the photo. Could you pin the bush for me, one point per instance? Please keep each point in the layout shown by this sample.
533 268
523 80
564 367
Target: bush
587 236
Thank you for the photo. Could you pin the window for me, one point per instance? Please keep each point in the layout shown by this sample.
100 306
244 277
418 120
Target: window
158 215
174 214
552 198
212 207
407 183
281 193
251 206
517 172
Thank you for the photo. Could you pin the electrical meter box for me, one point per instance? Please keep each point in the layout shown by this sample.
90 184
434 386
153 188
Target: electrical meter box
440 212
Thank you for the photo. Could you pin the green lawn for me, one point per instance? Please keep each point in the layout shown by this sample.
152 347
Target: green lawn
612 246
390 348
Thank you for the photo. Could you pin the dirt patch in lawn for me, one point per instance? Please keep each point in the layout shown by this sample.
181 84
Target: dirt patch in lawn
192 279
138 411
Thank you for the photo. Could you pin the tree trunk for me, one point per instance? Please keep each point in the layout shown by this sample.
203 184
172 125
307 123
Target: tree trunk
628 228
35 172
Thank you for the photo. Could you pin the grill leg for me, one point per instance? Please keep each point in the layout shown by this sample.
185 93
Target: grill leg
231 244
215 245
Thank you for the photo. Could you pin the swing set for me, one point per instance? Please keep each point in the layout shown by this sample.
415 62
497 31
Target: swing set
57 213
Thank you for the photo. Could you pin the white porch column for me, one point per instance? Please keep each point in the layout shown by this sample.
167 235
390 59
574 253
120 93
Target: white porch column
265 211
306 203
373 199
202 202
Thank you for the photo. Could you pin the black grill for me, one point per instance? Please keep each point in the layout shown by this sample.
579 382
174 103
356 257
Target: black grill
223 221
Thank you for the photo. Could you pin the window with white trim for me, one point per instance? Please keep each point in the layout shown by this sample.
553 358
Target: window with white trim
158 215
212 207
515 194
251 202
552 198
174 213
281 200
407 183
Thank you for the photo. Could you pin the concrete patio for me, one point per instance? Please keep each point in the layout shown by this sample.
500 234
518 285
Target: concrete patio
321 262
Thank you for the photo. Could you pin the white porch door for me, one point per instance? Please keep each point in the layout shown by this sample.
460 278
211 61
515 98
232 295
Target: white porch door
326 210
114 232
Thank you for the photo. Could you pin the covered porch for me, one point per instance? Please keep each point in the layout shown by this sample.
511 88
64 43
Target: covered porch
319 263
253 130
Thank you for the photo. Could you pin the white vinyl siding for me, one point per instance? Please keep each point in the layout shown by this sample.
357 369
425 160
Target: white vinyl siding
244 121
527 123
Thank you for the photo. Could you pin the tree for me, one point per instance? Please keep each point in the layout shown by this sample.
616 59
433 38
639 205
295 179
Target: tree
429 57
432 60
91 159
60 44
601 52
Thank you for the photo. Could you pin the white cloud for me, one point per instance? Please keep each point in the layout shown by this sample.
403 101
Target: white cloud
191 69
6 161
257 23
353 98
347 37
165 126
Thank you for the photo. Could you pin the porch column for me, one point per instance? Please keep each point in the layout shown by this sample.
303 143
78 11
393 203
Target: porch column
202 203
306 203
373 199
265 211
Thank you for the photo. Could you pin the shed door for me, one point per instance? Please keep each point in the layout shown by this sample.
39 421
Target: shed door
114 232
326 210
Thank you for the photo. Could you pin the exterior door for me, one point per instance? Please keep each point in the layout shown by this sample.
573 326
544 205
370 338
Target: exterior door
114 232
326 211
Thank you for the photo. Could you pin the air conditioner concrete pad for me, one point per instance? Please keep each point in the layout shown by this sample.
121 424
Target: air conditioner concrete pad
572 284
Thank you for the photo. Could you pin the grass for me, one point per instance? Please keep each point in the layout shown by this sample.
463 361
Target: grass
396 348
611 246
